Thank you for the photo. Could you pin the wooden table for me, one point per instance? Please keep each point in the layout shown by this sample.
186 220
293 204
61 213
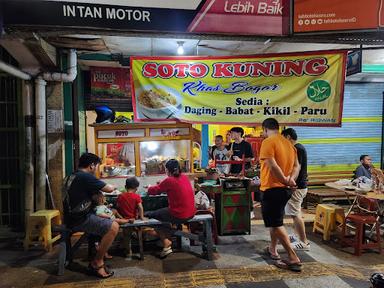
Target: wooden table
370 195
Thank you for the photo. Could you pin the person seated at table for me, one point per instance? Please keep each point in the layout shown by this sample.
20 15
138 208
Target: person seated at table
181 203
365 168
129 205
105 211
78 191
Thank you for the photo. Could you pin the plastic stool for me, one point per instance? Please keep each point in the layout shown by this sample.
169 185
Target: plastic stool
325 219
39 228
365 216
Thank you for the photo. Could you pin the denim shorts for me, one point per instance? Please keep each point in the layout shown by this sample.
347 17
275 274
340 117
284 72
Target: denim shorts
94 225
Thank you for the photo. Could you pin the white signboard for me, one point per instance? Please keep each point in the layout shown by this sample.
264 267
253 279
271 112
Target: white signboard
120 133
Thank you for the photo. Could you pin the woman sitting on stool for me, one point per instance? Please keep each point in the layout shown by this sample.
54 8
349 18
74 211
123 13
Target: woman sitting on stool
181 202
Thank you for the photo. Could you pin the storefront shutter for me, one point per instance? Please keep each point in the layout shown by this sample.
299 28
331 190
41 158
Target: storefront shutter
361 132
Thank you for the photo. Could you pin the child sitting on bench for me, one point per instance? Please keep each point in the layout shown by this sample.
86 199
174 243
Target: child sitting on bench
105 211
129 205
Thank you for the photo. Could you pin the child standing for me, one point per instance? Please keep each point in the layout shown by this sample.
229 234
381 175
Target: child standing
130 206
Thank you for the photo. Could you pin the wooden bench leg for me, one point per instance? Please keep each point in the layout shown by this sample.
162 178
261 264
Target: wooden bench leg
62 257
64 246
141 244
127 241
208 239
178 238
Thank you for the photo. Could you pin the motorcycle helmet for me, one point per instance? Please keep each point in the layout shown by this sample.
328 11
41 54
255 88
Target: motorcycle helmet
377 280
104 114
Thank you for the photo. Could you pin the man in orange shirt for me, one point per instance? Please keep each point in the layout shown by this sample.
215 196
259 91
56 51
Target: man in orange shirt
279 169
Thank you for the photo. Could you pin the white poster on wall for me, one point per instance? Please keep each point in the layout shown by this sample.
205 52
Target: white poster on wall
55 121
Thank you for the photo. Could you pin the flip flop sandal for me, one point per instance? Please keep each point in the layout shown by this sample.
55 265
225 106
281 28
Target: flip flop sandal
108 269
270 255
284 264
95 271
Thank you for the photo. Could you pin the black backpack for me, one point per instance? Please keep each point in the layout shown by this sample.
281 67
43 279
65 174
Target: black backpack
77 213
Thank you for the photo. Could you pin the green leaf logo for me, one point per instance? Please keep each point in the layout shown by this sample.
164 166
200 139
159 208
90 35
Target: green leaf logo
319 90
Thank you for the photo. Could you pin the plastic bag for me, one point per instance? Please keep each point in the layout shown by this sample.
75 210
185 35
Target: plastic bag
361 181
201 201
256 181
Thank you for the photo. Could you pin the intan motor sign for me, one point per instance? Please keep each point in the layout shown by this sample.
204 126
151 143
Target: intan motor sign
250 17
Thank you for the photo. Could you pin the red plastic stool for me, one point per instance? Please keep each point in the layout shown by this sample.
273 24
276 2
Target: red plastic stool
365 216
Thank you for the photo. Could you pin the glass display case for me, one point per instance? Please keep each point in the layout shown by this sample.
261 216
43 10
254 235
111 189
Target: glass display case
118 159
154 154
142 148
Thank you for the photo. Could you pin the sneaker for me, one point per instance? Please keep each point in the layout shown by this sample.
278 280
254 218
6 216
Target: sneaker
301 246
165 252
293 238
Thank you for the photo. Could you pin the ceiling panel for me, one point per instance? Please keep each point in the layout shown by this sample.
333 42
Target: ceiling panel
128 45
160 46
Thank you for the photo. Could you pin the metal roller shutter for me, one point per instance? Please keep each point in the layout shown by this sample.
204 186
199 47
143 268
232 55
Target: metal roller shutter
361 132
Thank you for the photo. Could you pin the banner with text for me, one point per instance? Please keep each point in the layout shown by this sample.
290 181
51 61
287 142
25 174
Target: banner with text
250 17
245 17
295 88
336 15
109 86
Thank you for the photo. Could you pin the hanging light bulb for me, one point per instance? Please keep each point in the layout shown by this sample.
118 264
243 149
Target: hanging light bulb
180 49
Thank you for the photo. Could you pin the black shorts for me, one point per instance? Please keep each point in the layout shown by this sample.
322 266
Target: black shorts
273 203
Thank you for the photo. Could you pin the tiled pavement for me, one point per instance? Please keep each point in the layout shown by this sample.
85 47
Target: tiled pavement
238 263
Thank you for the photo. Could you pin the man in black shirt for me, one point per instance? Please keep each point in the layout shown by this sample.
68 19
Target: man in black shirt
293 207
238 149
83 186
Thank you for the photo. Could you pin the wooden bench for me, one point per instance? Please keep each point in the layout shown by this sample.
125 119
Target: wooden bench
321 177
205 237
67 250
319 193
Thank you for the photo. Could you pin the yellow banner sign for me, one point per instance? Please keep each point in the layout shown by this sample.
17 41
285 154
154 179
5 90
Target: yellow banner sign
297 88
